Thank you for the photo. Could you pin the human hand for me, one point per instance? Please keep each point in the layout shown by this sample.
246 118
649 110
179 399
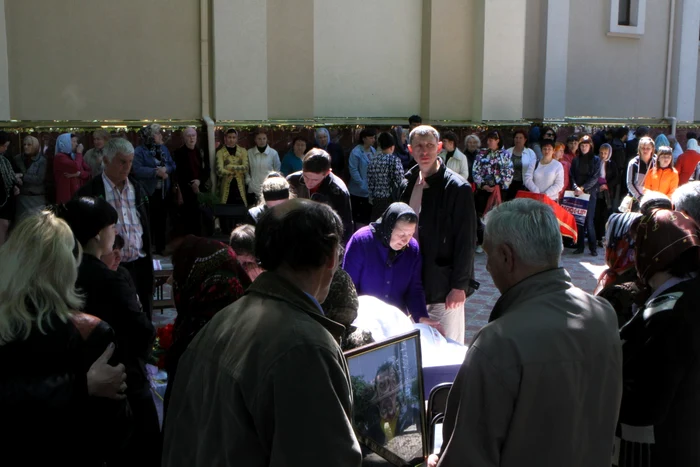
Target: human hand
603 187
18 179
161 172
455 299
105 380
434 324
578 192
433 460
79 149
488 188
195 189
75 175
195 183
15 190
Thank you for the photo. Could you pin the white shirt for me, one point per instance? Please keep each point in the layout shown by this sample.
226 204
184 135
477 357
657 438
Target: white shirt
547 179
529 159
261 164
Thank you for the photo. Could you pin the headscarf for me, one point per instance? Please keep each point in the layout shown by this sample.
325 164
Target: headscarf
384 226
400 149
341 304
662 236
322 130
64 145
608 147
206 278
146 135
661 140
693 145
619 248
534 135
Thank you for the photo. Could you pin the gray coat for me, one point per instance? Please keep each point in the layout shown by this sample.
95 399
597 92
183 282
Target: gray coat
542 382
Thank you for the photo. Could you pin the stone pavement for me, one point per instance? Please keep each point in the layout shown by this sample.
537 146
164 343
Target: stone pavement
584 270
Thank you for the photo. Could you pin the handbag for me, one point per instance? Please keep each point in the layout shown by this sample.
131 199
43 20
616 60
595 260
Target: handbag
178 194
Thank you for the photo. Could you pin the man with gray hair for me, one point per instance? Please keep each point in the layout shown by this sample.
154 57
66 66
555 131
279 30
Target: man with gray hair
129 198
686 199
541 383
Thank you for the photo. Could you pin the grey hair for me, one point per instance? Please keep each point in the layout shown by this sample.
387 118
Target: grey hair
686 198
189 128
529 227
654 200
117 146
423 130
472 136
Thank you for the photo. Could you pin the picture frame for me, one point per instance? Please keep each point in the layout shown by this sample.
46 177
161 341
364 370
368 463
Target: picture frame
388 394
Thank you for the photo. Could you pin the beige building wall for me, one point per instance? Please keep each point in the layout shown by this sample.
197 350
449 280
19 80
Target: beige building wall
616 76
451 61
102 59
367 59
290 59
535 52
697 95
4 71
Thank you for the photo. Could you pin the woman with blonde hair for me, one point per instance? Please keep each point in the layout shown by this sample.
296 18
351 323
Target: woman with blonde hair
637 170
56 384
32 183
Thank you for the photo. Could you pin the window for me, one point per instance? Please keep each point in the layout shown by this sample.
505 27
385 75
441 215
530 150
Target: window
627 18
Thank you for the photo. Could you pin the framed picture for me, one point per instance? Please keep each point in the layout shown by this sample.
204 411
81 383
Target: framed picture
389 411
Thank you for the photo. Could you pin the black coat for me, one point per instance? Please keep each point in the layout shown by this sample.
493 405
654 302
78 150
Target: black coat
446 232
112 298
184 174
48 418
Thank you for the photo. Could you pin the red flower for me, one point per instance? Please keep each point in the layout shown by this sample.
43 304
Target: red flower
165 336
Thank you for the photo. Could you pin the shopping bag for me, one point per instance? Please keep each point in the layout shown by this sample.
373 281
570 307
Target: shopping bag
576 205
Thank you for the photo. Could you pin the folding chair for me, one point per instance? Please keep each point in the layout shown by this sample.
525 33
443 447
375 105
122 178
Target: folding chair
437 403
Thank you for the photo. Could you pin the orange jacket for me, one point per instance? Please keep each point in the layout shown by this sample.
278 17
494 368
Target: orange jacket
662 180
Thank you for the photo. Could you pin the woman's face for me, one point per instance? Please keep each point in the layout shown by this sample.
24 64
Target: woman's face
646 150
493 143
158 137
604 154
519 141
261 140
472 145
99 142
27 148
584 148
231 139
665 160
558 154
448 145
74 143
322 138
300 148
401 235
573 146
106 239
547 151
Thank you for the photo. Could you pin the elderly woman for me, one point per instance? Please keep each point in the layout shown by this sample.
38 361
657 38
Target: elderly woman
153 166
472 147
93 156
323 141
112 298
384 261
659 423
70 171
56 383
206 279
547 175
32 191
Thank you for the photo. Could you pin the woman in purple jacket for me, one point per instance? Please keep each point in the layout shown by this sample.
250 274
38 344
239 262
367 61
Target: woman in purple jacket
384 261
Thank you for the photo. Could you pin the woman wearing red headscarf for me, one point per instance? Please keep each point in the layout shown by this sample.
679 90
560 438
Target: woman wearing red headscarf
660 410
206 278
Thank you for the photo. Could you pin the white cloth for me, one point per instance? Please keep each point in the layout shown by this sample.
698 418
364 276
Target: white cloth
261 164
547 179
529 159
452 320
458 163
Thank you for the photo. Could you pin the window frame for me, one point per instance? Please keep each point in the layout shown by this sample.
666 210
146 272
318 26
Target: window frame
635 29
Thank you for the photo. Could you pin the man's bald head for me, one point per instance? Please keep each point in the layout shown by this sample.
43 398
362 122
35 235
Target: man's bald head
299 233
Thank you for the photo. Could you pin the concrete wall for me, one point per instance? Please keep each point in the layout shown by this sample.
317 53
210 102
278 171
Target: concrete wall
535 53
367 58
615 76
101 59
4 69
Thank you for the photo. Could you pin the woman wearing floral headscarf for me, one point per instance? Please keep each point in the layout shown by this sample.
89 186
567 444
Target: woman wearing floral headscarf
70 171
153 167
206 279
660 410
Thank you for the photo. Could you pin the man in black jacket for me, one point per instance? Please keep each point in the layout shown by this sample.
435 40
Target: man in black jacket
446 230
129 198
316 182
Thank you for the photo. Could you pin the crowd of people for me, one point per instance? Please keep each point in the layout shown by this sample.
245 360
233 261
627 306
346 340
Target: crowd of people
256 369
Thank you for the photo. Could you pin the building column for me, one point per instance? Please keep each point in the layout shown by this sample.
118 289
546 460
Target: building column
4 68
684 71
500 65
556 57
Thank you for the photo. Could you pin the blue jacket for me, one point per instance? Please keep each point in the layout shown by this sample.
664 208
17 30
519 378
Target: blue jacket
144 168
